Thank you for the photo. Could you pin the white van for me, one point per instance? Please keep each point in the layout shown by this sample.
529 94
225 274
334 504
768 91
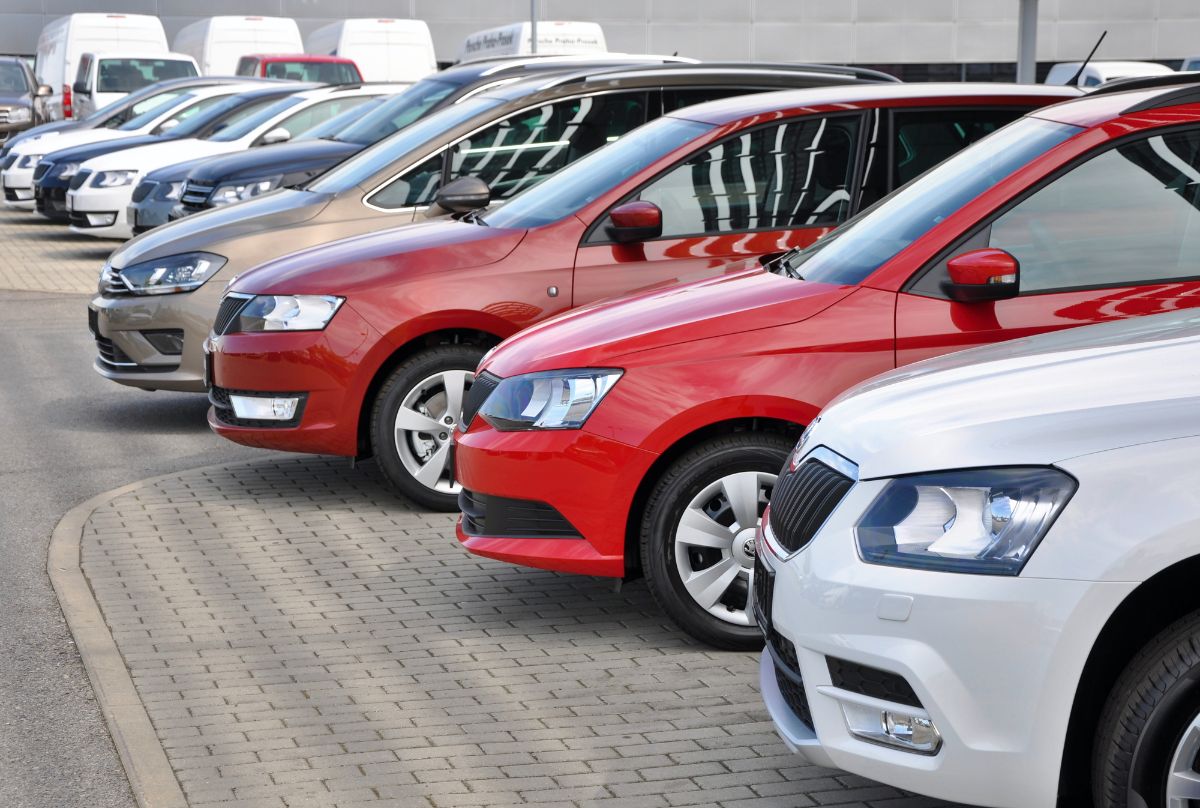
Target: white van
383 49
555 38
104 77
217 43
1096 73
66 39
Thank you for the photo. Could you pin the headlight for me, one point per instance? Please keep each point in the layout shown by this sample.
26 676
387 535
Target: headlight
19 115
244 190
286 313
171 191
65 171
114 179
556 399
984 521
30 160
175 273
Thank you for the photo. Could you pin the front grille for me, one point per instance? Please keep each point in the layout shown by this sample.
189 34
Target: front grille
223 407
480 389
11 195
80 179
764 591
4 113
787 674
43 168
143 190
868 681
195 194
485 515
803 499
227 312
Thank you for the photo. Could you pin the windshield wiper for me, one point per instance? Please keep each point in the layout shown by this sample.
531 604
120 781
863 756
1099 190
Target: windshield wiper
782 264
474 217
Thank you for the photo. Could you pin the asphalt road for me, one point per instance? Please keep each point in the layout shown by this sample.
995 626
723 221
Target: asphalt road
65 435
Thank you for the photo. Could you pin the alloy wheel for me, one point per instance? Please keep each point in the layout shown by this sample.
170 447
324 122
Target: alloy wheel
425 423
1183 780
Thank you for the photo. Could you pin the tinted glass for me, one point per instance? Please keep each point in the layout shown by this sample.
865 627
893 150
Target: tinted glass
127 75
415 187
247 124
795 174
678 99
319 113
228 110
341 121
166 102
425 133
247 66
324 72
397 112
12 79
924 138
1127 216
186 113
862 245
583 182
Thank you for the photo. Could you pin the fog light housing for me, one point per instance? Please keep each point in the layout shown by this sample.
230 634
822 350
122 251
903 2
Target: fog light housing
264 408
166 341
101 219
905 728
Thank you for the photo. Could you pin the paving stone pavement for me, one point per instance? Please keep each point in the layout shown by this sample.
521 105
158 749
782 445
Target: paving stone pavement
302 638
37 255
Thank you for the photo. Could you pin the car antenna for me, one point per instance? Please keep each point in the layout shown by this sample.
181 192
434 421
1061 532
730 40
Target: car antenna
1084 64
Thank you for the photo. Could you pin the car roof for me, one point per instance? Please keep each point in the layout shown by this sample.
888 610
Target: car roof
744 106
1115 99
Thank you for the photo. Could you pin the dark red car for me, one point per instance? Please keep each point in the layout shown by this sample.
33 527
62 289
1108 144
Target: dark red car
644 436
300 67
368 345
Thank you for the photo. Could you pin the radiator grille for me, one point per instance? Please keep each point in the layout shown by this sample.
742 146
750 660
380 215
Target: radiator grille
803 499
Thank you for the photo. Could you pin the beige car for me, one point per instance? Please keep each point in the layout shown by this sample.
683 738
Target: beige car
158 293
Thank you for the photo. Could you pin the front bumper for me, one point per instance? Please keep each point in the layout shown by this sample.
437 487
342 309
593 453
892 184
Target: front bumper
51 201
994 661
590 480
18 188
100 212
149 214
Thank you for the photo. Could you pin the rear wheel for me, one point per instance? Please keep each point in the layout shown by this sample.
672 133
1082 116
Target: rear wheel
1147 752
414 418
697 535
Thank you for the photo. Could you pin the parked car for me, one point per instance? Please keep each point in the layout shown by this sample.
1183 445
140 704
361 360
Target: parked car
172 108
1097 73
1077 213
218 43
100 193
512 133
105 77
63 41
384 49
682 197
976 574
301 67
22 103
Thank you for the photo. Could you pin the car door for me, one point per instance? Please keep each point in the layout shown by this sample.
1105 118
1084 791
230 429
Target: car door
1115 235
762 190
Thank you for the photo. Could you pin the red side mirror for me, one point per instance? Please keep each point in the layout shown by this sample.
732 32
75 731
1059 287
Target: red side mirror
634 221
981 275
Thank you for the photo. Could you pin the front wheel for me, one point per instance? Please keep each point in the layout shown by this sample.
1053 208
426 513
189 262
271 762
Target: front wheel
1147 752
413 421
697 535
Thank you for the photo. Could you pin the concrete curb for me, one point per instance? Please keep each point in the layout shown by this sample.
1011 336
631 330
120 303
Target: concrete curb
151 777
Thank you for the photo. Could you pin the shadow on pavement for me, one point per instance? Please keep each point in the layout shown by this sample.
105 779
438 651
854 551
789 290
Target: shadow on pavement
132 411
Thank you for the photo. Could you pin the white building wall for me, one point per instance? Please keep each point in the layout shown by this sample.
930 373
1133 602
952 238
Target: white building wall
855 31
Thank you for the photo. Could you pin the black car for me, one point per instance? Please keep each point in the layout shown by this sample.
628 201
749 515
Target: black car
233 177
53 176
21 97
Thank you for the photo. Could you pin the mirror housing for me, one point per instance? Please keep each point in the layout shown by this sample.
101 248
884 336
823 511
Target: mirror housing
79 88
44 91
167 126
634 221
982 275
464 194
276 135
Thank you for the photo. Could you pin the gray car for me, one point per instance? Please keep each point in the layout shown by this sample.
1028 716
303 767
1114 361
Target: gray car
22 104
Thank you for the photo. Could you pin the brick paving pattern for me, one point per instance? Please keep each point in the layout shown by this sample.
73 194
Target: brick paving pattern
37 255
302 638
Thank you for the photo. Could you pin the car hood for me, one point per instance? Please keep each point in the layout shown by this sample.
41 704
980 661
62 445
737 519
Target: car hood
1036 400
604 333
57 141
364 264
203 230
162 152
281 158
91 151
11 100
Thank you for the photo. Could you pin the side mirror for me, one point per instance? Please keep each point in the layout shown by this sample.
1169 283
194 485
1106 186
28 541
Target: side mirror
634 221
464 194
277 135
79 88
167 126
982 275
44 91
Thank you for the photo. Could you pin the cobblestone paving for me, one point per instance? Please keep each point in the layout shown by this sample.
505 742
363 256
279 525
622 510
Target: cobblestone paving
301 638
37 255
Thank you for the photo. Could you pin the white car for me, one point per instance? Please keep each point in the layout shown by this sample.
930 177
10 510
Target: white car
103 188
170 110
978 574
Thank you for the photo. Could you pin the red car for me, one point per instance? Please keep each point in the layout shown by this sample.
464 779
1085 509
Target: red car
644 436
367 345
300 67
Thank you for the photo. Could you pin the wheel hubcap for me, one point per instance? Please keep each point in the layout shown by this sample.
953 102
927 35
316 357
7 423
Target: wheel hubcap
714 543
1183 781
425 423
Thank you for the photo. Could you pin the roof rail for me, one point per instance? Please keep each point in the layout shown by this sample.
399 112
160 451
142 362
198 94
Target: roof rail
600 71
1145 83
1184 95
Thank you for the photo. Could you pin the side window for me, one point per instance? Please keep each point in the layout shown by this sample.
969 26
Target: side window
678 99
795 174
1127 216
317 114
85 64
415 187
247 66
519 152
186 113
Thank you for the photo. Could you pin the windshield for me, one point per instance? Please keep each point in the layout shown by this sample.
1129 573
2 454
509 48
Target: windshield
12 79
324 72
397 112
339 122
251 122
127 75
582 182
369 162
873 237
166 103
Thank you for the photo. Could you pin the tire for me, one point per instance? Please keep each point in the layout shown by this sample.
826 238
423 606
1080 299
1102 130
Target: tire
1150 726
404 449
746 463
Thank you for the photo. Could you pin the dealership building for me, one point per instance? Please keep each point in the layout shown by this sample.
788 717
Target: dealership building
917 39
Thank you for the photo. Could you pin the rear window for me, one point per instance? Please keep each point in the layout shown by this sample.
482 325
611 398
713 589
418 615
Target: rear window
324 72
127 75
